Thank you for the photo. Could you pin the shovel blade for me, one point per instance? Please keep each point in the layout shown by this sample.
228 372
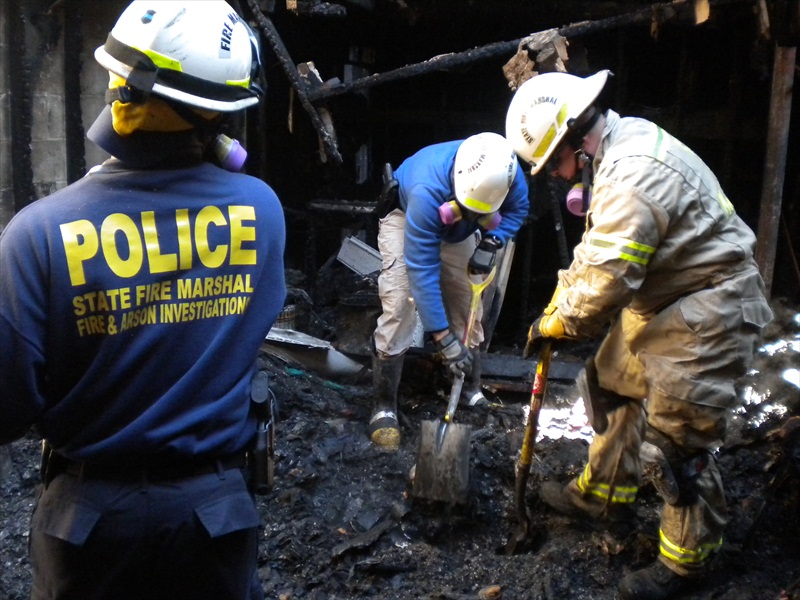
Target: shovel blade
442 470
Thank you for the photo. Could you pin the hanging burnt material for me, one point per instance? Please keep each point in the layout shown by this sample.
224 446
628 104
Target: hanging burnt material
544 51
547 48
300 87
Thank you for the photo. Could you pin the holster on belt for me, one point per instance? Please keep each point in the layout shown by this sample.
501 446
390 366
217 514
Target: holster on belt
47 463
261 454
597 400
389 198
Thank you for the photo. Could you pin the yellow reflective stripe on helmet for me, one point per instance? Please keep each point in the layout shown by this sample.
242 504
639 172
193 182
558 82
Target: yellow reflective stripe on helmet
160 60
619 495
623 248
685 556
547 139
245 83
476 205
562 115
551 132
165 62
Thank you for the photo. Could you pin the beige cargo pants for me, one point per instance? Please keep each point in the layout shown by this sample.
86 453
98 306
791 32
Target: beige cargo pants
394 332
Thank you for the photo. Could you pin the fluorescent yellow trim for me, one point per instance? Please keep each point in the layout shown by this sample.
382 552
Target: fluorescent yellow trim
477 206
245 83
547 140
725 203
625 249
562 115
685 556
621 494
162 61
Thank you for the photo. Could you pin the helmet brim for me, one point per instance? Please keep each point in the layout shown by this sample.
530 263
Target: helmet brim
110 63
591 86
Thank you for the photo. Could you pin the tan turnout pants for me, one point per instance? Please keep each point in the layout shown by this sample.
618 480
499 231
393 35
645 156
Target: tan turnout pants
683 362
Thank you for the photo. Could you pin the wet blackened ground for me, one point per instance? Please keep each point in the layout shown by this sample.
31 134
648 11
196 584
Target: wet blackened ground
341 524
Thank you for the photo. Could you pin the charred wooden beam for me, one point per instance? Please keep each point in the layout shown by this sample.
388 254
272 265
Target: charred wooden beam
325 133
775 164
656 13
21 102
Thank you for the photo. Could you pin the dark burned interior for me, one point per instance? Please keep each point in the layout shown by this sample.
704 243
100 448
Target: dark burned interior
394 76
355 84
339 522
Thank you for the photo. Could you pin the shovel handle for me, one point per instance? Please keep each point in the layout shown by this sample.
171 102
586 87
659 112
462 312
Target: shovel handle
477 290
529 439
455 394
537 399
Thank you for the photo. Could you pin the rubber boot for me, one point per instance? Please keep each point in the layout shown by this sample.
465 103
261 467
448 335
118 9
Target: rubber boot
569 500
384 429
471 394
655 582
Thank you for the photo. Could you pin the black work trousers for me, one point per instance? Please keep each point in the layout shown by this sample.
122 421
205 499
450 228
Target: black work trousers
99 539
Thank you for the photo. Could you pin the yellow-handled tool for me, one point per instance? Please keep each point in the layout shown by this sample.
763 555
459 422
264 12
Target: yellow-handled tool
442 469
538 392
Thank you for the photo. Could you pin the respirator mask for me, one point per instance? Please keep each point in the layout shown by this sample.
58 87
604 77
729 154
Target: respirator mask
580 196
451 212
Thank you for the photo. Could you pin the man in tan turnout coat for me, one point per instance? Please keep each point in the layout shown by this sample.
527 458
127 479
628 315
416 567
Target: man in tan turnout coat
666 260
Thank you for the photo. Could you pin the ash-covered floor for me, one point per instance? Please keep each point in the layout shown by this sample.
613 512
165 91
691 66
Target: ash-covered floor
340 523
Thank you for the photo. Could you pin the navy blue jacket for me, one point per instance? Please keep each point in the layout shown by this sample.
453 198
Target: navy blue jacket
132 307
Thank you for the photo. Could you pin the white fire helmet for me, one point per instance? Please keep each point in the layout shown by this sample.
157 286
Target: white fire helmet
544 108
199 53
484 169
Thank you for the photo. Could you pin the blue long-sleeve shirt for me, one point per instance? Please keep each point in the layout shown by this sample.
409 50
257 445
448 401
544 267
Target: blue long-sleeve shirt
426 182
132 307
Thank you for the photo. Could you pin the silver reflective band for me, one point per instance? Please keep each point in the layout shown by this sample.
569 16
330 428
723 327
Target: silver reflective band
477 398
383 414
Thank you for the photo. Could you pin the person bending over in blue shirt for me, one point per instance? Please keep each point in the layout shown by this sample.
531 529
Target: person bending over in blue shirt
458 203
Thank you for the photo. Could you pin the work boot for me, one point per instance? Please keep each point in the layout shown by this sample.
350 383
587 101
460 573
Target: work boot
471 394
384 429
569 500
656 582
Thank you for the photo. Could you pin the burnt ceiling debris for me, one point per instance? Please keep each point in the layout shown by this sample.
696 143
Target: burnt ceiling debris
354 85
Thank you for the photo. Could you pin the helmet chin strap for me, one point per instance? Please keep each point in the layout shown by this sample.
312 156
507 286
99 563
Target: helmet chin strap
579 127
586 181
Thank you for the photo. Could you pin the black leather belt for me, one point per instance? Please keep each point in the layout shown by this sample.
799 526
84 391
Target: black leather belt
167 471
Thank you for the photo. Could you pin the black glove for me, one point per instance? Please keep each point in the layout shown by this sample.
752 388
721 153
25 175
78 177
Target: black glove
455 355
485 255
535 338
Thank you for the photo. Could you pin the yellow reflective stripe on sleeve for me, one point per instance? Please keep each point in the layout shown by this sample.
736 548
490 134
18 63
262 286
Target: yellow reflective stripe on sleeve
619 495
725 203
685 556
623 248
660 150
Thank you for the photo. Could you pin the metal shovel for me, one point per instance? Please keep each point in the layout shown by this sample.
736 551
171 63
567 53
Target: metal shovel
442 469
523 531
